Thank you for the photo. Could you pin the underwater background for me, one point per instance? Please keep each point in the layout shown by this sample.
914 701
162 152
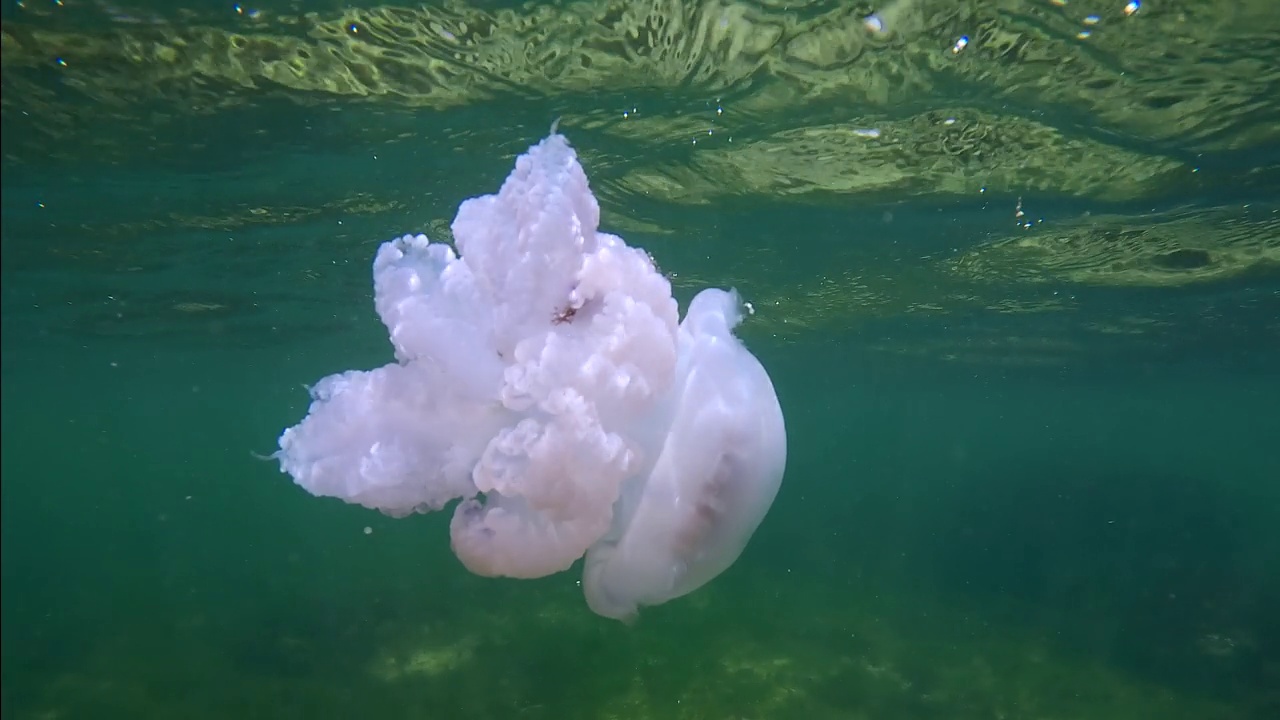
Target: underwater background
1016 273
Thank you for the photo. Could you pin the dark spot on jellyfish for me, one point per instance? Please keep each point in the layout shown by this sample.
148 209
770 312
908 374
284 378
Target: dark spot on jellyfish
1184 259
565 315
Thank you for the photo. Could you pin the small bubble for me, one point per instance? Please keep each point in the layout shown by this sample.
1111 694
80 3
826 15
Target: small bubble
368 530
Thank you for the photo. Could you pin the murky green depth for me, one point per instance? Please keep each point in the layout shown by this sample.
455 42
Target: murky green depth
944 547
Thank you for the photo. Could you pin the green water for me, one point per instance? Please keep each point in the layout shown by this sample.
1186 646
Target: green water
1004 498
944 547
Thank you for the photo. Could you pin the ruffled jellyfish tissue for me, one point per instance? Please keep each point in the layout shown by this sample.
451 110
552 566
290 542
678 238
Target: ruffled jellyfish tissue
543 377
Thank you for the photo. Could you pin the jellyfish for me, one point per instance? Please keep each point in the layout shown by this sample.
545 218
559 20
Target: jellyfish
544 380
